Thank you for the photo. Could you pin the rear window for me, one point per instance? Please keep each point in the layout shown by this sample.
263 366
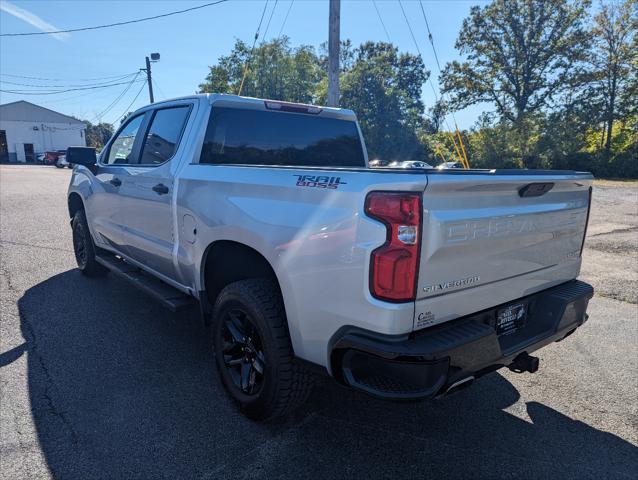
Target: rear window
255 137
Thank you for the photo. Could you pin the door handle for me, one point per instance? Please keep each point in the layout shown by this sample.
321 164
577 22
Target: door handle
161 189
115 182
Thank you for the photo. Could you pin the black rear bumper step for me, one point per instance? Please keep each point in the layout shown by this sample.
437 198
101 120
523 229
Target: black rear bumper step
168 296
427 363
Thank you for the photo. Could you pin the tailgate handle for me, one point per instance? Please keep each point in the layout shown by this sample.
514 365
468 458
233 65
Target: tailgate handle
535 189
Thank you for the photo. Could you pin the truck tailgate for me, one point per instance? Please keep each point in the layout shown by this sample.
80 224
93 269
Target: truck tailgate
490 238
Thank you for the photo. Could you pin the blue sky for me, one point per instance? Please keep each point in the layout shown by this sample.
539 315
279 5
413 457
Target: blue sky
189 42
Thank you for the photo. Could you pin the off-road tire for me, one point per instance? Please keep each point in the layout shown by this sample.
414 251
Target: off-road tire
84 248
286 382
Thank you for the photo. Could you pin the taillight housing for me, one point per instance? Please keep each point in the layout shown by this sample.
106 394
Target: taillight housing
394 265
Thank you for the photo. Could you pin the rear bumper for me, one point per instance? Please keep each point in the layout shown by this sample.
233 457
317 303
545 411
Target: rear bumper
427 363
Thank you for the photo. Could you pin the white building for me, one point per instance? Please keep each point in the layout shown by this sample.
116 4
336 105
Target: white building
27 129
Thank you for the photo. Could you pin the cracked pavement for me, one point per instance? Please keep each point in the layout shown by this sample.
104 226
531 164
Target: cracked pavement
97 381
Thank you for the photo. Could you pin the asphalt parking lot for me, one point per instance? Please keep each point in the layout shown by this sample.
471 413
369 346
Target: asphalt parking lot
97 381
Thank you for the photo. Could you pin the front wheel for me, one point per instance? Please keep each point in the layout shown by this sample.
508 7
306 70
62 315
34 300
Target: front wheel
84 248
253 351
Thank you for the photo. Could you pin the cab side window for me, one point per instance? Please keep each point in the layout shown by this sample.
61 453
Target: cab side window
122 147
163 135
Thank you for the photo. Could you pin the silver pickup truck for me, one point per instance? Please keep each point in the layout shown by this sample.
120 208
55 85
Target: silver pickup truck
401 283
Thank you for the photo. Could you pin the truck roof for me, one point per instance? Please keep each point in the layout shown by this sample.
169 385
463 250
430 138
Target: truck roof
257 103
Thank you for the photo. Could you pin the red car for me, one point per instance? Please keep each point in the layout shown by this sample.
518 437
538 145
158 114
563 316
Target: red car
55 157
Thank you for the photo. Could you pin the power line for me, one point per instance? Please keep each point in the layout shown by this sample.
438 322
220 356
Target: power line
438 64
427 25
74 99
436 57
158 87
243 78
66 86
32 92
374 2
436 97
117 24
117 99
285 19
269 19
410 28
66 79
131 104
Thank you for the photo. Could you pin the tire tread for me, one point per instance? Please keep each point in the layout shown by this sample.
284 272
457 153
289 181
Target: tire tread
92 267
295 381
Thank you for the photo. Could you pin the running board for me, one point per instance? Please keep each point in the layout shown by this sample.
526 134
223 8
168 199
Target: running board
168 296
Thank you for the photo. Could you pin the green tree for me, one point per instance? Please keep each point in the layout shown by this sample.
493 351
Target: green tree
380 84
97 135
613 53
275 71
521 56
383 87
629 98
435 117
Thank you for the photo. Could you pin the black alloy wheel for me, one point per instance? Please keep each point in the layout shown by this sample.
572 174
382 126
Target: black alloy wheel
243 351
79 245
253 351
83 247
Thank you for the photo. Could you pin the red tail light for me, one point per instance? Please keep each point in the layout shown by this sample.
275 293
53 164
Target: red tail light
393 266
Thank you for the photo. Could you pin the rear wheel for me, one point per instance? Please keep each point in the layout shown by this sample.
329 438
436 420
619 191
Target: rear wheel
253 351
84 248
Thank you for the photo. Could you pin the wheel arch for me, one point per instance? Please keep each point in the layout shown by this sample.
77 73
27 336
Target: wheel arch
74 203
228 261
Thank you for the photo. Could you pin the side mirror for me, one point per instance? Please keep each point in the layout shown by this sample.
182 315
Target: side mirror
81 155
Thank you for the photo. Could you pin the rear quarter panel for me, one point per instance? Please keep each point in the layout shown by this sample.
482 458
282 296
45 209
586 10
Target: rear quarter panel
317 240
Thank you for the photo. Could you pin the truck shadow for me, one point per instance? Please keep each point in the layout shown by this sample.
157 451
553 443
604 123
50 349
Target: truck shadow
121 388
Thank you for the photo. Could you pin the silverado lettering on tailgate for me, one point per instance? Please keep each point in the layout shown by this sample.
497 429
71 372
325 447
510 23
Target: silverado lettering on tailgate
462 282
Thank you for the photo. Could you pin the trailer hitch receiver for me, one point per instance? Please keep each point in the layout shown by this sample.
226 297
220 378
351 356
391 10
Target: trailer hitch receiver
524 363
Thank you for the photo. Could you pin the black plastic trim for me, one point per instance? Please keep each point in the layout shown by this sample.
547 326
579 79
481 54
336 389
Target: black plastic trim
582 245
407 171
468 347
153 113
535 189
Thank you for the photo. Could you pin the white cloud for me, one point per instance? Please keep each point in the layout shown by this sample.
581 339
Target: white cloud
31 19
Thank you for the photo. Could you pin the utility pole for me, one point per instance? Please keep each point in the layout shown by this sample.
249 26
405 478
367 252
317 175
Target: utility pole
154 58
149 80
333 53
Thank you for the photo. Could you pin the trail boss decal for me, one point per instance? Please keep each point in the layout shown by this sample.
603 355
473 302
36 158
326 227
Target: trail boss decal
318 181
